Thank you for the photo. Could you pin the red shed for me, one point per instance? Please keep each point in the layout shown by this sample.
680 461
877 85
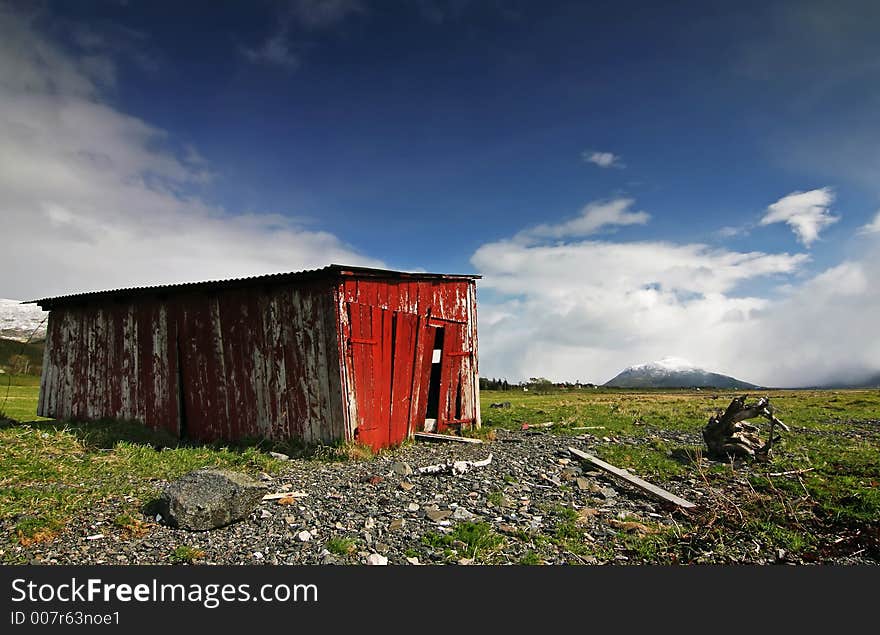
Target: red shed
339 353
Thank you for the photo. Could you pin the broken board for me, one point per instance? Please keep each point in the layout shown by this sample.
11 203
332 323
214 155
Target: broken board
432 436
633 480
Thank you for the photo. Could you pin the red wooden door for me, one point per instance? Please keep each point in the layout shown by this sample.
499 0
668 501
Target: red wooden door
382 363
404 363
456 401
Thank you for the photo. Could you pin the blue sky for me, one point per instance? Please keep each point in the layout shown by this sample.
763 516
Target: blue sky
608 167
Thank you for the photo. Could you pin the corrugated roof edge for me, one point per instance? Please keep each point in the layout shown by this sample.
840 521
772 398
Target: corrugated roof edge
330 270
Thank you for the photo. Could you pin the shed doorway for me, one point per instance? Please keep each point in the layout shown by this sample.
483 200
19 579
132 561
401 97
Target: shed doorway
432 407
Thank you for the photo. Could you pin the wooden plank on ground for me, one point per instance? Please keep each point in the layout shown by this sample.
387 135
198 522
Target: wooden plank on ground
433 436
633 480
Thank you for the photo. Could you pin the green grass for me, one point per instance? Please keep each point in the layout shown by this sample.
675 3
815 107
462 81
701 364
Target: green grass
51 472
839 492
185 554
341 546
19 395
472 540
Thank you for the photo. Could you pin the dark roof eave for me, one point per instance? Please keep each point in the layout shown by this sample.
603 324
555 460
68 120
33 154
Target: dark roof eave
324 272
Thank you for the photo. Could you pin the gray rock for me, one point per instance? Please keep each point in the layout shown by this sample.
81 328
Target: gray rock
437 515
461 513
279 456
209 498
377 559
401 469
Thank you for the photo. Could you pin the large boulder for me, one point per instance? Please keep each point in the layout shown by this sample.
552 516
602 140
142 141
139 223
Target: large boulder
209 498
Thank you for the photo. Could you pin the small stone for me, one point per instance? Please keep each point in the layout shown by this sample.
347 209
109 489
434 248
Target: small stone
264 513
563 461
279 456
258 555
265 477
462 514
412 507
290 520
401 469
413 561
377 559
608 492
304 535
406 486
437 514
466 561
95 537
396 524
583 484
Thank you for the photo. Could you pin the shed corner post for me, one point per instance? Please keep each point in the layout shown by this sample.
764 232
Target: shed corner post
348 403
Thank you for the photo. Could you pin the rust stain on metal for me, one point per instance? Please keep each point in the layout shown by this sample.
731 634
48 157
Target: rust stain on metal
322 355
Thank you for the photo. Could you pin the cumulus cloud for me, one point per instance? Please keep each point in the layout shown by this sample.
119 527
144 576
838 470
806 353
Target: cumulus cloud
586 309
602 159
592 218
807 213
873 227
92 198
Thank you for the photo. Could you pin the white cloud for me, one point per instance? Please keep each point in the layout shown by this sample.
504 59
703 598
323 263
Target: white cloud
603 159
873 227
587 309
275 50
807 213
592 218
92 198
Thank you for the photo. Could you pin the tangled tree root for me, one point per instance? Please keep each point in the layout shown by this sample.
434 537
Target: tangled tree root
728 434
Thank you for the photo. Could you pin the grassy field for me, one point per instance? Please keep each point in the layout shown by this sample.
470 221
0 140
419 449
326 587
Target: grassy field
833 448
51 471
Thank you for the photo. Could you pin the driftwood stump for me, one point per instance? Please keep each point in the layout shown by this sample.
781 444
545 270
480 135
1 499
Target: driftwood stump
728 434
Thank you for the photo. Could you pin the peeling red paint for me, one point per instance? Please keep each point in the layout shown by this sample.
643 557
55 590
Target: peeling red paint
340 353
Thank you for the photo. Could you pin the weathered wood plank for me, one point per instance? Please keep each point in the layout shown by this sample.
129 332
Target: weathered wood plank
432 436
633 480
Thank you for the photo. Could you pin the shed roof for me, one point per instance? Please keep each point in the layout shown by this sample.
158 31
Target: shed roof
274 278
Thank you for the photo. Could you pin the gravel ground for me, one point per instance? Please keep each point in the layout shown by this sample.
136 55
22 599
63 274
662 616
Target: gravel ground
384 513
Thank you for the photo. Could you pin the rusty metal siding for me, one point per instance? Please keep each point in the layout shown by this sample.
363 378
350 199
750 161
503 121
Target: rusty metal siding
271 357
254 363
387 333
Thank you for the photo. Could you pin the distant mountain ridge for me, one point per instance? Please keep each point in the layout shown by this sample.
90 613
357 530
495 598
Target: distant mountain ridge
19 321
673 372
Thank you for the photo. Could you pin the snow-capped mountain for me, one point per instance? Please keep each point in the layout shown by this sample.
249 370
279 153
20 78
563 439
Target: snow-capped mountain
673 372
18 321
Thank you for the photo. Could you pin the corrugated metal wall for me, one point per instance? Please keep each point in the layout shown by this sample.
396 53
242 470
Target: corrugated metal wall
389 329
263 360
254 363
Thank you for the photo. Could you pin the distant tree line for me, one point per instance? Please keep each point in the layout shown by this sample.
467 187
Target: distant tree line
534 384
